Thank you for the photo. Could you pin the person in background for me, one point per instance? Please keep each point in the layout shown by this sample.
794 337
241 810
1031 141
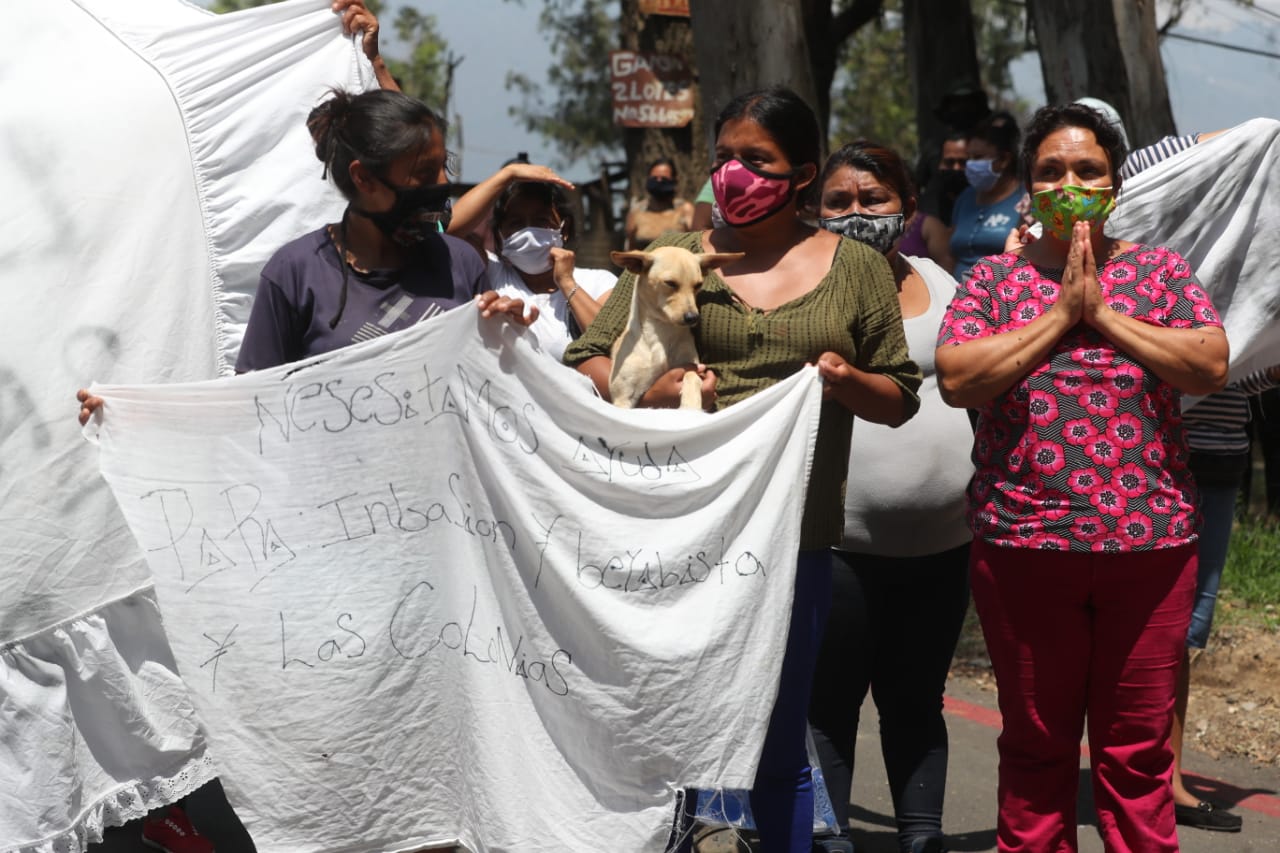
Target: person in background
659 212
929 231
1266 431
705 215
986 211
1216 433
358 20
900 576
472 215
800 295
532 224
1075 353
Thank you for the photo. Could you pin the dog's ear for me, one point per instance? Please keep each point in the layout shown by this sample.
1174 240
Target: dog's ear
636 262
716 260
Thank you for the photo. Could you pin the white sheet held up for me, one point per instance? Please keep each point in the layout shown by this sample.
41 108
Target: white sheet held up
152 157
1218 205
430 588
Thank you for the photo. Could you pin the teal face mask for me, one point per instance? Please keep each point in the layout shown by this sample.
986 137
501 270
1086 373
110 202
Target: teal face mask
1060 208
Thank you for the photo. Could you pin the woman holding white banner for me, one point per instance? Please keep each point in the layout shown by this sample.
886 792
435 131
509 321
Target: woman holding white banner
900 586
386 265
801 295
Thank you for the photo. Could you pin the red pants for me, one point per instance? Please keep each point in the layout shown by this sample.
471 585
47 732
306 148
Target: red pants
1074 635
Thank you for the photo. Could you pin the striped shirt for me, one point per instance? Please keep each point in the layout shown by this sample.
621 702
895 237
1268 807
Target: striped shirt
853 311
1217 423
1145 158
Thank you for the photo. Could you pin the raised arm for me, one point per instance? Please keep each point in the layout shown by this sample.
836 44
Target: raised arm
356 18
470 210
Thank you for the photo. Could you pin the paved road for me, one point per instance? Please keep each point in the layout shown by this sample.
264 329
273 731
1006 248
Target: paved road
970 807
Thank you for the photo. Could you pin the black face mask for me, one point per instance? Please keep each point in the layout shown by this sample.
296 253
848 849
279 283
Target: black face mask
417 213
945 187
661 187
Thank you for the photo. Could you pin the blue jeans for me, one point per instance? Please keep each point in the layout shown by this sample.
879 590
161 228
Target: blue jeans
1218 506
782 798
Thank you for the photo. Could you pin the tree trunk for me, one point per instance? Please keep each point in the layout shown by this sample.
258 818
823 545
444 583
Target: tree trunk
942 52
749 44
826 31
672 36
1105 49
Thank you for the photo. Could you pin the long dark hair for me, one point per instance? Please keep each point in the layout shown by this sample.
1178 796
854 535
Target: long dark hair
373 127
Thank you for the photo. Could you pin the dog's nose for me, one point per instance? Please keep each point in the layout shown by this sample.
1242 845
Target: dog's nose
691 318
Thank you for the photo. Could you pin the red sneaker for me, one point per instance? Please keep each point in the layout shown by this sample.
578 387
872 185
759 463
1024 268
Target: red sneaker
173 833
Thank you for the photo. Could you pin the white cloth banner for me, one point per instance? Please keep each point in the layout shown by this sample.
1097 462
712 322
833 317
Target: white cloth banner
1218 205
431 589
153 155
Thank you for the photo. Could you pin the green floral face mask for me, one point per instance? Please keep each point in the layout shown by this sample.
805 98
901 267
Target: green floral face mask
1062 207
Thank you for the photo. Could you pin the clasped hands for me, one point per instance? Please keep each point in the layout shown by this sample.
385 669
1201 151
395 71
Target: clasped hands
1080 298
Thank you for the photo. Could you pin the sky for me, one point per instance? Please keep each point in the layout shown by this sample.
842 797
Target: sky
1210 88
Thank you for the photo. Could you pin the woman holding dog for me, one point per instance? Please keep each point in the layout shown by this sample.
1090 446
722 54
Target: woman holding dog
900 585
1075 353
799 295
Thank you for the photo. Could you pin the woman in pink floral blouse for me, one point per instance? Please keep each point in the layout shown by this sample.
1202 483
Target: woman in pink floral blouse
1075 353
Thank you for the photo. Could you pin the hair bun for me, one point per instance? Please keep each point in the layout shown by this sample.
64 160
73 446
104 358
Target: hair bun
325 122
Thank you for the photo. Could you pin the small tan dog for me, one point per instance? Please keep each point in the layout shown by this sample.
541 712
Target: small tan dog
659 332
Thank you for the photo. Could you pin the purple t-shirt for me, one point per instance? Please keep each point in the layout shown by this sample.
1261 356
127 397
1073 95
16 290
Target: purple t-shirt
301 286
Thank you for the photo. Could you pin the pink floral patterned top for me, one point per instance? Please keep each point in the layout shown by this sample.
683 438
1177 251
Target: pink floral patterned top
1087 452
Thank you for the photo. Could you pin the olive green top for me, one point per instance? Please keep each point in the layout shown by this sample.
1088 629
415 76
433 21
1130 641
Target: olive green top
853 311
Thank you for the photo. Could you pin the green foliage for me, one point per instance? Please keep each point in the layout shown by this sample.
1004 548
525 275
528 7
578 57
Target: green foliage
871 95
1000 28
426 73
1251 579
573 110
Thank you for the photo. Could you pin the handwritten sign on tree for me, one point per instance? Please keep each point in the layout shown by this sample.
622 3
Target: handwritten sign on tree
650 89
434 581
675 8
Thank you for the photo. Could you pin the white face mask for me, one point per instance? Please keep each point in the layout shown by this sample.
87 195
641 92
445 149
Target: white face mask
529 249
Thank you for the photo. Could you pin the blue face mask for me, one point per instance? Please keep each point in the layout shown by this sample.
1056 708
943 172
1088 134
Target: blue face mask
981 174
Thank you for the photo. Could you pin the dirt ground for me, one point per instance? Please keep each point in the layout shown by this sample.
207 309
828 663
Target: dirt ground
1235 691
1235 695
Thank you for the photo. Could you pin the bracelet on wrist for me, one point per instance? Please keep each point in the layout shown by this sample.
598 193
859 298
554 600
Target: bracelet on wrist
572 293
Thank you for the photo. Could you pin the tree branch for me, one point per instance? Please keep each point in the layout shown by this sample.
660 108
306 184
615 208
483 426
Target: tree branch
851 18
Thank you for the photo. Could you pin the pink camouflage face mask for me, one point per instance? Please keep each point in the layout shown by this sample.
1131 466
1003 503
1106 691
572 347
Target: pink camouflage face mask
745 195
